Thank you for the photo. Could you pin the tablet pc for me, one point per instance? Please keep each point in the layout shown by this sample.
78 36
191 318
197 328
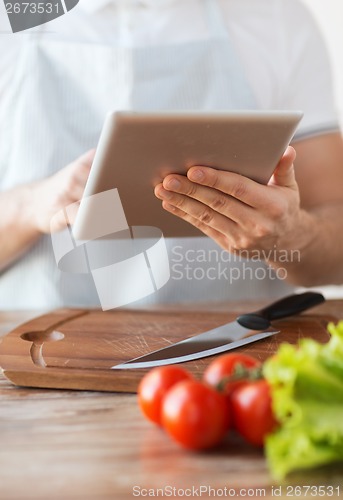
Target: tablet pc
137 150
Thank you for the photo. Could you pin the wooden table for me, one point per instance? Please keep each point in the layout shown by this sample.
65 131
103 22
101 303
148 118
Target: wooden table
63 444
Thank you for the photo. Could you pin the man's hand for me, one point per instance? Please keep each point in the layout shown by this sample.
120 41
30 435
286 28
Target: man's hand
28 209
238 213
57 192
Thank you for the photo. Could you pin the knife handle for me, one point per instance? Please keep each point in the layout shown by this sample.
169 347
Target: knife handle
283 308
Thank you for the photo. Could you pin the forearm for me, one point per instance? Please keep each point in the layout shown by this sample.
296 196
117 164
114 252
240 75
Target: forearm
314 255
17 229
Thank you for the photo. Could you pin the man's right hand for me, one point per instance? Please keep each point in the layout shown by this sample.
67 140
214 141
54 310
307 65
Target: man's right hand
55 193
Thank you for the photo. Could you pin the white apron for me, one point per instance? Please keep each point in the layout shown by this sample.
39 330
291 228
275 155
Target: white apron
54 111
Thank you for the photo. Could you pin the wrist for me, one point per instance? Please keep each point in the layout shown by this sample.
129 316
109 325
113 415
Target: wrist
295 244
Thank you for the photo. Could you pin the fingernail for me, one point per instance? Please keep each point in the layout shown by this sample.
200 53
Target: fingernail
196 175
173 184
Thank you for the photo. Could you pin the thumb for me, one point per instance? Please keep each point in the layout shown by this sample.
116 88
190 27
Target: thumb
284 173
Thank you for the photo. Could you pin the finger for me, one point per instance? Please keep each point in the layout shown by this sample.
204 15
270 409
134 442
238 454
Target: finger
198 211
246 190
76 193
284 174
87 158
81 166
219 202
217 236
79 173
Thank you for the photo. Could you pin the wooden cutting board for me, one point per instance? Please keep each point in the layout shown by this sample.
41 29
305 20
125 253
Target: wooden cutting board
74 349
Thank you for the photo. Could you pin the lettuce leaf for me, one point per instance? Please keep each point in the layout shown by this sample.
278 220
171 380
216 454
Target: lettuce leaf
307 393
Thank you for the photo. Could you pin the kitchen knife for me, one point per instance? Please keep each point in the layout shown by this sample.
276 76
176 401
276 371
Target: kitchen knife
245 329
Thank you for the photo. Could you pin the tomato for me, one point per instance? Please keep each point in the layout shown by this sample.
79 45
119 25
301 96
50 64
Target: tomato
154 386
195 415
227 366
252 413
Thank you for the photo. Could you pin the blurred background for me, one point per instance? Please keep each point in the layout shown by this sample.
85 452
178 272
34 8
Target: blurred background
329 15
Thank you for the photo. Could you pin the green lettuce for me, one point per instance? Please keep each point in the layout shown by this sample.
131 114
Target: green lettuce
307 393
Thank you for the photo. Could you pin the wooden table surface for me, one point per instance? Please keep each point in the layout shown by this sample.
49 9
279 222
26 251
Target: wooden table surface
63 444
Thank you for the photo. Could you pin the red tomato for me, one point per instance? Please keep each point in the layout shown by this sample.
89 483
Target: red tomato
195 415
225 366
252 412
154 386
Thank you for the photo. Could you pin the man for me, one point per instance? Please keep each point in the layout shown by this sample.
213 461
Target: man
56 87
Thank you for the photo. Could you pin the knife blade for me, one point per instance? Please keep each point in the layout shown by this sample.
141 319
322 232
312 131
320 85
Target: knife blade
246 329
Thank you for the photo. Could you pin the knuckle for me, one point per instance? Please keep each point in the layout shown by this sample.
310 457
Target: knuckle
168 206
178 201
244 243
239 189
198 224
191 190
219 203
277 210
206 216
212 179
262 231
